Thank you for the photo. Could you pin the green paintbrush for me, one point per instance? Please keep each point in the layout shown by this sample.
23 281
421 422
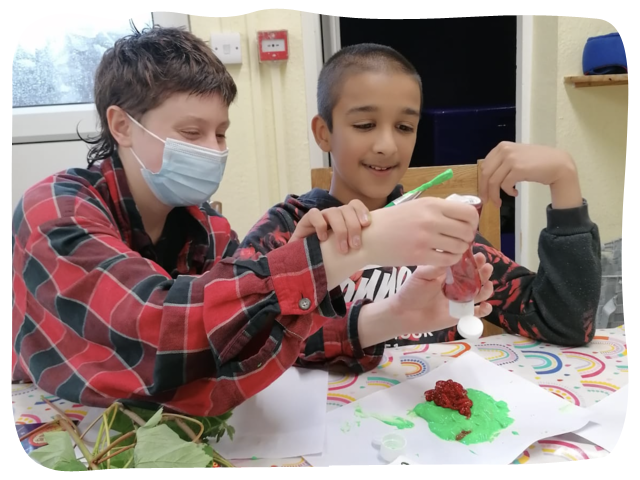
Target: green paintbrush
416 192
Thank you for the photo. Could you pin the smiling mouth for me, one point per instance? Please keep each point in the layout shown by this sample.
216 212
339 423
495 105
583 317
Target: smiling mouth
378 169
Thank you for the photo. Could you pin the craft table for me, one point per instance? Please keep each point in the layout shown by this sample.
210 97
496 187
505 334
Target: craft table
582 376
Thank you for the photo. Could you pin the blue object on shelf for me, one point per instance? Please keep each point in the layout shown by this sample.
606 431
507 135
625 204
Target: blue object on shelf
604 55
459 136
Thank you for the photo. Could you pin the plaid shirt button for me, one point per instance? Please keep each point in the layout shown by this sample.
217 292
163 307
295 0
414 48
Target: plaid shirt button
304 304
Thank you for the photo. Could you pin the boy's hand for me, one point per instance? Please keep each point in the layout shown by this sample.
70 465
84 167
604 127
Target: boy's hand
424 231
421 305
346 222
510 163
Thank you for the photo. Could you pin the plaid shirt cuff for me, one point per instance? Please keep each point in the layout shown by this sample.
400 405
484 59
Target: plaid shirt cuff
300 281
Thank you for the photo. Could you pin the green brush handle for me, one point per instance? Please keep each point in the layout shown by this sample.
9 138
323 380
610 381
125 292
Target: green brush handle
443 177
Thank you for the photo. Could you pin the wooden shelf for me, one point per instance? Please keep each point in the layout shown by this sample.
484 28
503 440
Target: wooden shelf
581 81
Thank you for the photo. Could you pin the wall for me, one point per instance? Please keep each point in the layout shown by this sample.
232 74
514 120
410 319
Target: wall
590 123
267 158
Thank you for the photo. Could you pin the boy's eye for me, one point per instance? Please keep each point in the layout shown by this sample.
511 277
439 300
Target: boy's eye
406 128
364 126
221 135
190 133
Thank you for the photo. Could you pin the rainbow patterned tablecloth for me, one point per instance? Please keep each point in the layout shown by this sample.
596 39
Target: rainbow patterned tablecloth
582 376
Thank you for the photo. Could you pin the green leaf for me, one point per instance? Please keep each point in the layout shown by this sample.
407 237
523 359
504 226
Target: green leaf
231 431
144 413
160 447
58 449
225 416
153 421
120 460
122 423
212 425
209 451
178 431
74 465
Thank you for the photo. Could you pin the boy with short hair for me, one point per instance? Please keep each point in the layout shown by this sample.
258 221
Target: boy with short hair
369 103
124 285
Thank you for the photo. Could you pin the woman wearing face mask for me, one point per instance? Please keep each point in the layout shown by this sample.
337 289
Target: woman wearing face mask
124 283
189 175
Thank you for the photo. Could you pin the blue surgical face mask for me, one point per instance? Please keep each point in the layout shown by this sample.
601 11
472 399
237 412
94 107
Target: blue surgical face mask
189 175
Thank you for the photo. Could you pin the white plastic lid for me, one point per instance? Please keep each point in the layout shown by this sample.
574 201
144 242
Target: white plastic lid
470 327
461 309
468 199
391 445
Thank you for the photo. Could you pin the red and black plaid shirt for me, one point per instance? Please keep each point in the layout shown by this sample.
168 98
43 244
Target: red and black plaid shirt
102 314
557 304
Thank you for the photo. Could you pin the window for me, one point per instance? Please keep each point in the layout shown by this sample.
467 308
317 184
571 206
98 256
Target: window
56 66
53 70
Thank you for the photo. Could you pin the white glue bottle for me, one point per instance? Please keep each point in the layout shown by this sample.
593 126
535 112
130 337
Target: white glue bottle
462 284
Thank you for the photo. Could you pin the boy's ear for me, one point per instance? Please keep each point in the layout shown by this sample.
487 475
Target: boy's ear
120 126
321 133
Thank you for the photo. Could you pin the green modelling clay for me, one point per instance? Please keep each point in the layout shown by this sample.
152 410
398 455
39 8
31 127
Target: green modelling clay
488 418
398 422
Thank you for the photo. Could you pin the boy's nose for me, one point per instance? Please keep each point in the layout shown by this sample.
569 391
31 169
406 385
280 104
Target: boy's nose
385 144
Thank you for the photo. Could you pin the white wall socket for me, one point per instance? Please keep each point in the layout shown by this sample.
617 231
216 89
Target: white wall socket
226 46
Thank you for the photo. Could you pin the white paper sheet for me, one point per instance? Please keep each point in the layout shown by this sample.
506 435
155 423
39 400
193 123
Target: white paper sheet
605 426
402 460
287 419
537 414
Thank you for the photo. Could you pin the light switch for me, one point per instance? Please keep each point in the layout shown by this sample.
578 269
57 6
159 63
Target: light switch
226 46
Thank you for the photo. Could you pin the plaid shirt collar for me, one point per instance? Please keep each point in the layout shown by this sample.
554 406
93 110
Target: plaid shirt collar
116 191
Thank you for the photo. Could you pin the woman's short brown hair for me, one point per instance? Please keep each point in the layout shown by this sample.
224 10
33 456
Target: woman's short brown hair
145 68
